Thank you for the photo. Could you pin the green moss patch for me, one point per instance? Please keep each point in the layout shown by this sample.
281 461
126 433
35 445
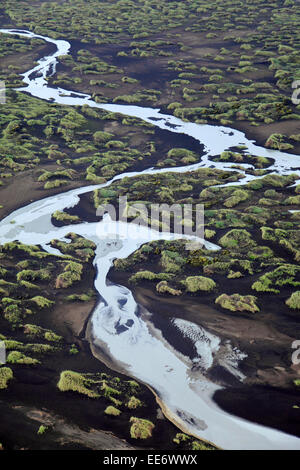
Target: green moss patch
238 303
6 374
141 428
294 301
75 382
16 357
285 275
199 283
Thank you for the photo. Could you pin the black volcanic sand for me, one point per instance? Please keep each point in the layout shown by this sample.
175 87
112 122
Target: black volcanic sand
267 395
268 406
19 424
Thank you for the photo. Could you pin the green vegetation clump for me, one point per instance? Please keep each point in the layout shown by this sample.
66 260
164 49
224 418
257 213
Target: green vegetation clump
238 303
52 337
186 156
287 239
87 297
72 273
73 350
209 233
163 288
188 443
294 300
75 382
6 374
35 331
239 195
42 429
181 437
237 239
55 184
80 248
102 137
112 411
283 276
109 391
64 217
279 181
16 357
148 276
42 302
141 428
143 275
199 283
198 445
31 275
14 315
133 403
277 141
171 261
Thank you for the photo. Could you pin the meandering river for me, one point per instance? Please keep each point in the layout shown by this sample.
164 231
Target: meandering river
121 327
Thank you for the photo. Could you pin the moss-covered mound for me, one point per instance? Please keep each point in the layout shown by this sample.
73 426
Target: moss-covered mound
134 403
112 411
236 238
163 288
6 374
16 357
199 283
238 303
294 300
141 428
284 276
75 382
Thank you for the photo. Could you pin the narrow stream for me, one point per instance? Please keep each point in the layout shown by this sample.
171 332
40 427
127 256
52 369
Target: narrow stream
119 325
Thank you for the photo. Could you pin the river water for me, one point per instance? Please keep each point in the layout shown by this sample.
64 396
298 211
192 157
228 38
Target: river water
119 325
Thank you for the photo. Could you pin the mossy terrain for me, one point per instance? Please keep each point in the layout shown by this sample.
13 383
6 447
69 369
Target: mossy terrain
17 54
141 428
30 284
242 72
61 148
6 375
231 206
50 369
259 242
230 63
238 303
294 300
